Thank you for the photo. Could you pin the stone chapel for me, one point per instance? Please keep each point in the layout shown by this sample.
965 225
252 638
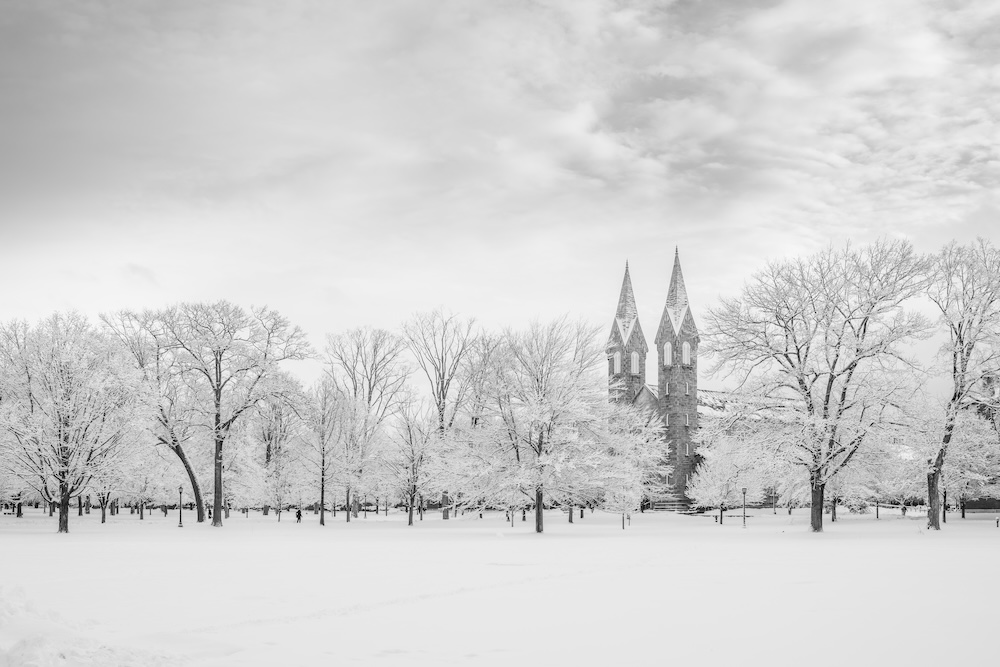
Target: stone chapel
675 395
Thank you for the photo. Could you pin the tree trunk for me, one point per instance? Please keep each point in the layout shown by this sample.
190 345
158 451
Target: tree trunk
409 511
833 510
934 499
347 506
322 500
64 507
538 510
721 515
217 491
142 511
581 511
816 511
104 511
937 464
52 507
570 512
79 506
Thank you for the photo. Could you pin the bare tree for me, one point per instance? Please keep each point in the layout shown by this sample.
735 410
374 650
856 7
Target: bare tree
823 337
68 401
232 356
440 342
966 291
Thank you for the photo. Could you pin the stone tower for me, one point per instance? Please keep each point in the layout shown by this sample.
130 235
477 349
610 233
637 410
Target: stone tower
626 347
677 353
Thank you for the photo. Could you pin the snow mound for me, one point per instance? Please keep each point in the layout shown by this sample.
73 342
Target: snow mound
30 637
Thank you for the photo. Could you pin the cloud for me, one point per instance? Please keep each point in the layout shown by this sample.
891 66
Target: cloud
361 155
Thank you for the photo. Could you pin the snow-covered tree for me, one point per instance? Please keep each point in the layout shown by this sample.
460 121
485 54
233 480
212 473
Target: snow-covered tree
69 402
972 469
231 358
368 369
966 291
415 440
324 435
730 462
440 341
279 428
824 337
172 401
551 433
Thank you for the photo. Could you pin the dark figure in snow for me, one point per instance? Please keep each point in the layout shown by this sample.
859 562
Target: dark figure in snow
209 512
298 516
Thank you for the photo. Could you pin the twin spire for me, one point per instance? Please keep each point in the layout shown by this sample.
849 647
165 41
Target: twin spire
674 311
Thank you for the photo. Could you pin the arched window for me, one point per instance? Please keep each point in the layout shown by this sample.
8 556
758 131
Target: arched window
618 362
635 363
686 353
668 354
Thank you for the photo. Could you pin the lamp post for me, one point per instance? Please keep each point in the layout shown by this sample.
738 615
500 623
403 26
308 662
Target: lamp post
180 506
744 507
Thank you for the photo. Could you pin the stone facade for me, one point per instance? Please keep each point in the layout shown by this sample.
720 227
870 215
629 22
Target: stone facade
676 395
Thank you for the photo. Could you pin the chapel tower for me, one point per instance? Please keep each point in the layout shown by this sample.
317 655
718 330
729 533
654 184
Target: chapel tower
626 348
677 369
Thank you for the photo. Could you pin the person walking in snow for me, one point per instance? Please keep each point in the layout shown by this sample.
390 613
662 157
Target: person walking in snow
298 516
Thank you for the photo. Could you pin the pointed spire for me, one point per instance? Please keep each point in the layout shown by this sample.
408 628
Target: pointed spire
627 311
677 307
677 298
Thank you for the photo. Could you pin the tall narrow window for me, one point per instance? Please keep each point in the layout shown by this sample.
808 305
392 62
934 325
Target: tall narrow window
687 419
687 448
635 363
618 363
686 353
666 388
668 354
666 420
687 388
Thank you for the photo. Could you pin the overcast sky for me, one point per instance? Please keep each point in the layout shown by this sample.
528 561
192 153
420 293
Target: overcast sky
351 162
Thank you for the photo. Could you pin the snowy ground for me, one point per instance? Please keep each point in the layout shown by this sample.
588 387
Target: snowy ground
672 589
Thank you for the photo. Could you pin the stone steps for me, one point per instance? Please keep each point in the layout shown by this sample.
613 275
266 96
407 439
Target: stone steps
671 504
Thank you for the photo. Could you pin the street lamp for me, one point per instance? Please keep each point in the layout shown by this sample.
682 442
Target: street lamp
180 506
744 507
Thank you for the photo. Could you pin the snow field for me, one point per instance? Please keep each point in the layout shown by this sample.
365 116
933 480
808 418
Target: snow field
671 589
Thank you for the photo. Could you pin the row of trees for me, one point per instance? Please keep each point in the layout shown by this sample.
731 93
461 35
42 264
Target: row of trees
132 405
831 397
